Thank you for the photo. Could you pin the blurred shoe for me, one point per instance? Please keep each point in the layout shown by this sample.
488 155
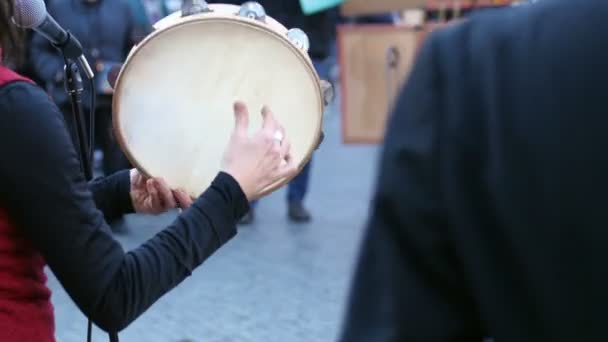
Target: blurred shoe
248 218
298 213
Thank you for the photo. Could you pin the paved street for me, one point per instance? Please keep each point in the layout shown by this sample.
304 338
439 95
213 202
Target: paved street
275 281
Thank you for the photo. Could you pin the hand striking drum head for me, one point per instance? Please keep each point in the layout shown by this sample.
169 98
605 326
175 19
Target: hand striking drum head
174 95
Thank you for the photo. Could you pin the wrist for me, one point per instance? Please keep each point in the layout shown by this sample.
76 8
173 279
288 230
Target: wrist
226 183
124 189
240 179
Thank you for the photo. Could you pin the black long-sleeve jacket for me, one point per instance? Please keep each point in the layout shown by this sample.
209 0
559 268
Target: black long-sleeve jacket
46 195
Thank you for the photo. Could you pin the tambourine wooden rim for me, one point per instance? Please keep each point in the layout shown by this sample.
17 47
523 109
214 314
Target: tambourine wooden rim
251 24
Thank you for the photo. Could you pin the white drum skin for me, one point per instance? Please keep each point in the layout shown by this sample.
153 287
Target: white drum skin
173 98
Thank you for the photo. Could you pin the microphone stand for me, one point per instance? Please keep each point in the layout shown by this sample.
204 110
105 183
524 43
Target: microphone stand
74 89
71 50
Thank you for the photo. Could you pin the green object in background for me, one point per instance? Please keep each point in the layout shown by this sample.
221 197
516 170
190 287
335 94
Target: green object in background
315 6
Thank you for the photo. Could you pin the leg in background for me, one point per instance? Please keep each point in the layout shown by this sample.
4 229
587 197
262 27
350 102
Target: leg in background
114 159
298 187
296 191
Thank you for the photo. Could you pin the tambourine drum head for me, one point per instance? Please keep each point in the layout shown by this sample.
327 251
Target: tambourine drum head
173 102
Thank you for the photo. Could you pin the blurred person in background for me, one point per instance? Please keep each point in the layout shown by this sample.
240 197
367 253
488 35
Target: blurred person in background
107 30
148 12
321 32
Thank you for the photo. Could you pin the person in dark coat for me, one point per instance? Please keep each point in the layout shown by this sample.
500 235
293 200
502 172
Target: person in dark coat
107 31
148 12
489 216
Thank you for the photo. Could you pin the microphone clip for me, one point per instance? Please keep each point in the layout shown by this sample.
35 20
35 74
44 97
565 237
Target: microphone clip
71 49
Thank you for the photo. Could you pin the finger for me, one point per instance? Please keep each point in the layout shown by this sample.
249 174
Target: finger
183 199
165 194
241 117
137 179
153 195
269 122
285 148
287 170
281 131
273 158
290 162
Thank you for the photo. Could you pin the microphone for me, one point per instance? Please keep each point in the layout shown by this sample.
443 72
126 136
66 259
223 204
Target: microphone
32 14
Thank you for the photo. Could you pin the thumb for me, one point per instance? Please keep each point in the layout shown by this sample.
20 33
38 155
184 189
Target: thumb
241 117
183 199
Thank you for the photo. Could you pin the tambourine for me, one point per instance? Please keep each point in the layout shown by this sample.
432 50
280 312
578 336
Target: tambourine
173 96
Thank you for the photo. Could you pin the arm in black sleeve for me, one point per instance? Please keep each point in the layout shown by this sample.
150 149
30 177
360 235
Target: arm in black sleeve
112 194
405 280
47 197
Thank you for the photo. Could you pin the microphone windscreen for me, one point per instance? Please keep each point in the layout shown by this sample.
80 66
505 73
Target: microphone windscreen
29 13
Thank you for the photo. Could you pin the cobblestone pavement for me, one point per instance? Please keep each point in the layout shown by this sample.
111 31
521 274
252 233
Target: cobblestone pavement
275 281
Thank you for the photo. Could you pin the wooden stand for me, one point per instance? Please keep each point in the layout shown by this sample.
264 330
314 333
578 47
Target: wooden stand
369 7
375 60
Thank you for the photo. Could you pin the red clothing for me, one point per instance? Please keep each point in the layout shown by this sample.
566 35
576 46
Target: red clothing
26 312
8 76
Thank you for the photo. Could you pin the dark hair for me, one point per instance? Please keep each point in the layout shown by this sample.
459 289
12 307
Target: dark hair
11 37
